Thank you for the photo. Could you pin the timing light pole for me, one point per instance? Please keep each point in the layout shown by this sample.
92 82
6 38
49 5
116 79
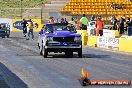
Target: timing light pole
41 11
21 9
106 8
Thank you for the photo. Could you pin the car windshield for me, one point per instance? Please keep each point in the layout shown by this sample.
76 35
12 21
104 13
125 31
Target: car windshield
3 26
51 28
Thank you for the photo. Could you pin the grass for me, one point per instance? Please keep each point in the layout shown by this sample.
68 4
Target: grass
12 4
17 3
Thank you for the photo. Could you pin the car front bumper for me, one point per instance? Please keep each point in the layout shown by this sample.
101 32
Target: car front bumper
70 47
4 33
63 48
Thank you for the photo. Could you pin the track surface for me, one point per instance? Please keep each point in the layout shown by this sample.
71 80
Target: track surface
22 58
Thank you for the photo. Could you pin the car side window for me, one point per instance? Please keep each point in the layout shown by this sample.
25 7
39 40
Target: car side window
71 28
64 28
48 29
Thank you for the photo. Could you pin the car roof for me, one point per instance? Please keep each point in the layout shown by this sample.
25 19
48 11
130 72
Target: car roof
56 24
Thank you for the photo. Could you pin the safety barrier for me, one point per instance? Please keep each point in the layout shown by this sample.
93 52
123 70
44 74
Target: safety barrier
125 45
92 40
111 33
84 35
120 44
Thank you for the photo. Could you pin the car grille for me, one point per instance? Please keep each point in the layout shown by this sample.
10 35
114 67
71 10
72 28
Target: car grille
64 39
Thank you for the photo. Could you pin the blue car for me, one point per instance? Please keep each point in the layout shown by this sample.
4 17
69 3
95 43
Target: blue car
4 30
59 37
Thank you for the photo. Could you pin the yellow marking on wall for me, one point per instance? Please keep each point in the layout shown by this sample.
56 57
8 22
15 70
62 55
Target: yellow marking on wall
38 21
125 45
92 40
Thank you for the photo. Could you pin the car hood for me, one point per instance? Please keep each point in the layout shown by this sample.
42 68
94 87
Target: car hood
63 33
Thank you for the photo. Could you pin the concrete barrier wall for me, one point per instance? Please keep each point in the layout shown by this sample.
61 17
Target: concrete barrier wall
125 45
84 40
84 36
92 40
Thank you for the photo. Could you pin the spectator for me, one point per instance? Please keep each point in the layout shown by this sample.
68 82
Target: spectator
0 26
122 6
62 20
129 0
129 26
111 21
93 18
51 20
116 6
72 21
77 24
114 22
121 25
24 25
84 22
30 31
112 5
70 27
99 26
66 21
57 20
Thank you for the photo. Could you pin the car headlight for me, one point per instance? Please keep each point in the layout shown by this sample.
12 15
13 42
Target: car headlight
50 38
77 38
7 32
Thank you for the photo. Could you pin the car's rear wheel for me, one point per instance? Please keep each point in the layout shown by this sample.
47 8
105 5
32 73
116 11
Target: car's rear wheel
41 50
8 36
80 53
44 52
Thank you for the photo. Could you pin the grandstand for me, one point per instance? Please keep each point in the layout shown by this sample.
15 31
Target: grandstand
97 7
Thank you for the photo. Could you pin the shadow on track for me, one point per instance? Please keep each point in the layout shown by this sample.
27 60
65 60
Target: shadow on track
76 56
95 56
17 38
9 78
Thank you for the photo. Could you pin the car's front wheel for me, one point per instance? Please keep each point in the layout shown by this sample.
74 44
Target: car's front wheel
68 54
44 52
80 53
3 36
41 50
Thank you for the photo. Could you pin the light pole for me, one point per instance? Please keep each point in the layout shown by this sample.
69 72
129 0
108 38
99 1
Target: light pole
41 14
0 12
106 8
41 10
21 9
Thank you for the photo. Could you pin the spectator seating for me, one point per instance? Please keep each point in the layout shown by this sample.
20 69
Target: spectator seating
97 7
